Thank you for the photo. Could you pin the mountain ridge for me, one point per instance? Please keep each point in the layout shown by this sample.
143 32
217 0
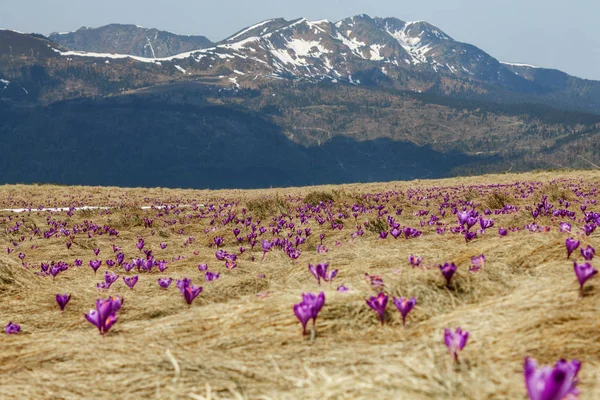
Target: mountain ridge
361 99
131 40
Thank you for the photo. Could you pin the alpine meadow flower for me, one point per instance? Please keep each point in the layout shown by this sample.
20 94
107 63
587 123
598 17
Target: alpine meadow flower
309 308
164 282
415 261
571 245
551 383
405 306
448 270
583 273
455 341
104 316
130 281
477 263
95 264
303 312
588 253
62 300
379 304
12 328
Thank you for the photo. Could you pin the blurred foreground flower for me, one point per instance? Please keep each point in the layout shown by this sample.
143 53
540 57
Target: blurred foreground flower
12 328
455 341
571 245
405 306
309 308
378 304
583 272
62 300
552 383
448 270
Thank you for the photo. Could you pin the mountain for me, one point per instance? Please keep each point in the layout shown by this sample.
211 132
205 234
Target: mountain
288 103
129 39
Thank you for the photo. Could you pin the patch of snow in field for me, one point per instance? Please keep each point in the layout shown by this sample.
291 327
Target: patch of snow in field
4 81
180 69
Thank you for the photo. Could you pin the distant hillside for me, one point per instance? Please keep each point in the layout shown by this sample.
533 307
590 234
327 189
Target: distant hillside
287 103
130 39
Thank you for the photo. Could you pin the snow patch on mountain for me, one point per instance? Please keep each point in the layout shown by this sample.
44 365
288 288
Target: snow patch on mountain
249 29
519 65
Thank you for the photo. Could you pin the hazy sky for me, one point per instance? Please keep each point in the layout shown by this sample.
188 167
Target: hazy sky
549 33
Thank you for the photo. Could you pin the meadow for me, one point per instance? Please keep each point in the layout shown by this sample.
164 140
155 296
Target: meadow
514 289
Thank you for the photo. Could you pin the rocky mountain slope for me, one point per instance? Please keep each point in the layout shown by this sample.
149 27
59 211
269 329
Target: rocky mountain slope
129 39
289 103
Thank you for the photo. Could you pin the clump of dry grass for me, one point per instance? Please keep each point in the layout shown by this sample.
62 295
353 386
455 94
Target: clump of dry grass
318 196
496 200
233 344
266 206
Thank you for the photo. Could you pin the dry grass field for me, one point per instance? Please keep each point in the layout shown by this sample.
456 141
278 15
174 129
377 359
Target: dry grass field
240 339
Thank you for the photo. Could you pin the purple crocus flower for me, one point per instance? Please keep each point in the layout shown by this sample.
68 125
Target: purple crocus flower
304 313
140 244
220 255
448 270
202 267
551 383
266 246
486 223
95 264
378 304
96 252
218 240
164 282
211 276
588 253
383 235
110 278
321 249
564 227
405 306
189 291
583 272
571 245
470 236
62 300
130 281
342 288
104 316
502 232
12 328
455 341
415 261
477 263
315 301
163 245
